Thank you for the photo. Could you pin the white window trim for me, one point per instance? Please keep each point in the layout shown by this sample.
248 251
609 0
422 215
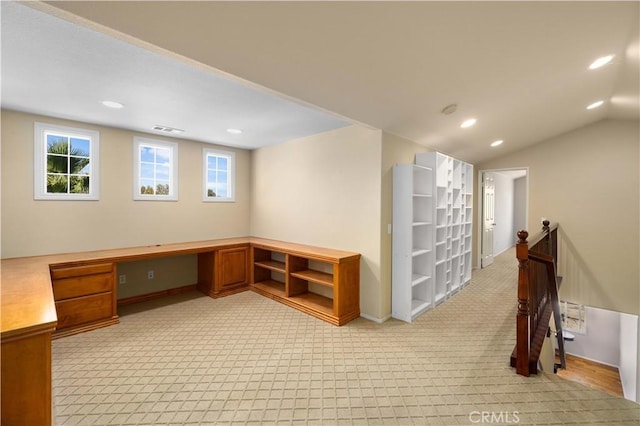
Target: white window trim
582 323
173 170
40 162
231 178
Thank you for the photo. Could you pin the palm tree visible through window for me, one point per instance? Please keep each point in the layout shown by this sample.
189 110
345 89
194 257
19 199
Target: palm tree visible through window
68 164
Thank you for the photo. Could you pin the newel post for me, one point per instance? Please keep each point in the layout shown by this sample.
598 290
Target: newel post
522 318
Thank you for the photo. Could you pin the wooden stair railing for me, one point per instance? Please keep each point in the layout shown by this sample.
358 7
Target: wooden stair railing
537 298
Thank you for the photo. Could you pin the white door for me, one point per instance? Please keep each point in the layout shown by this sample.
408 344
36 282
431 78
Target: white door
488 218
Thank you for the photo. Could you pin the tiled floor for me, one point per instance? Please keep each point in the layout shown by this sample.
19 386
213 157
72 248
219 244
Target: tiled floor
246 359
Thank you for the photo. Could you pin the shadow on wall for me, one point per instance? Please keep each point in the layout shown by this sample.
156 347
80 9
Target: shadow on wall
579 284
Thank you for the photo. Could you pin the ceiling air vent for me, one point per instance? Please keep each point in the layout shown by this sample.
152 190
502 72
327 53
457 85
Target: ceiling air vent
166 129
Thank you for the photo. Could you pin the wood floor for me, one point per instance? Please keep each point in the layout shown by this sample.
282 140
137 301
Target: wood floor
592 374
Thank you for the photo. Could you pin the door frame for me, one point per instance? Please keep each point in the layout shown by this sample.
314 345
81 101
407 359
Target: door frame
480 205
488 180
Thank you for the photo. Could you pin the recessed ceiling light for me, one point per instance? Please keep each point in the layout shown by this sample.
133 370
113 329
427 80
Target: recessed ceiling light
496 143
234 131
112 104
468 123
595 105
600 62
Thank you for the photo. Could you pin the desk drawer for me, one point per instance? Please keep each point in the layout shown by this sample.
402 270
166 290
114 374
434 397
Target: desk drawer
84 309
81 271
82 286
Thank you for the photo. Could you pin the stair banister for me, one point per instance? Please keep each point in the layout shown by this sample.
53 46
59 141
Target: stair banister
522 317
537 298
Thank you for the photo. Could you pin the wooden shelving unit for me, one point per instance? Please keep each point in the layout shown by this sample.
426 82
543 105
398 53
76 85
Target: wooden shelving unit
285 273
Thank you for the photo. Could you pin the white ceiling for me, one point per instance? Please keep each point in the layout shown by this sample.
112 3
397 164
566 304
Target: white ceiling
520 68
53 67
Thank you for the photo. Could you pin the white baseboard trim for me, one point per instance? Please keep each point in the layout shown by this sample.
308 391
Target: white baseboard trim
374 319
593 360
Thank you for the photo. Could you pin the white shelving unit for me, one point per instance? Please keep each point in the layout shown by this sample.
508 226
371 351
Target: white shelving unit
467 220
413 241
453 226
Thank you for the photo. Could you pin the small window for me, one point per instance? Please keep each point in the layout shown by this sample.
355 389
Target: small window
219 175
155 165
574 317
65 163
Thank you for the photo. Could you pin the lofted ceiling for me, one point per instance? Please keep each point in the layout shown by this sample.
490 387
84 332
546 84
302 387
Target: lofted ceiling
54 67
281 70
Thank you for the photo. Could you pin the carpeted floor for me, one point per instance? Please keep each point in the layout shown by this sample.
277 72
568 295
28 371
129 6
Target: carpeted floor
246 359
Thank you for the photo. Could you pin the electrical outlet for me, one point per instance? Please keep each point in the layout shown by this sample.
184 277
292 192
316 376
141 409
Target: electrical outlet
122 279
150 275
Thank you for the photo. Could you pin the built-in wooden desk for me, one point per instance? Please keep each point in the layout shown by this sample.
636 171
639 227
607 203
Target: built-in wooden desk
28 319
82 287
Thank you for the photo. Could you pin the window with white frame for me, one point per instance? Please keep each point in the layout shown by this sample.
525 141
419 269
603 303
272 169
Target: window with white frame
66 163
155 174
219 175
574 317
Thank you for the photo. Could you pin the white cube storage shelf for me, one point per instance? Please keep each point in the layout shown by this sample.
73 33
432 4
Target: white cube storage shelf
413 239
432 217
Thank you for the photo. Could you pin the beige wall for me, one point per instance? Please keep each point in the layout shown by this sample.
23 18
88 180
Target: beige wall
324 190
335 190
395 150
169 272
587 180
39 227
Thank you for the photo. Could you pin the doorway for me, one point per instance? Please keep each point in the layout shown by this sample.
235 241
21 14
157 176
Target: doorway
504 196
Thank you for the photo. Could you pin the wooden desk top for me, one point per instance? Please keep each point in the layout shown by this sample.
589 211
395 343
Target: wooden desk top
27 305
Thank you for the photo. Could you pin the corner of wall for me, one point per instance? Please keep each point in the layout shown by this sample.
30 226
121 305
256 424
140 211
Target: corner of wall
332 197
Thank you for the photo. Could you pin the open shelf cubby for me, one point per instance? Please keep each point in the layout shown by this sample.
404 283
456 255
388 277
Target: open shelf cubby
422 209
420 299
423 181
